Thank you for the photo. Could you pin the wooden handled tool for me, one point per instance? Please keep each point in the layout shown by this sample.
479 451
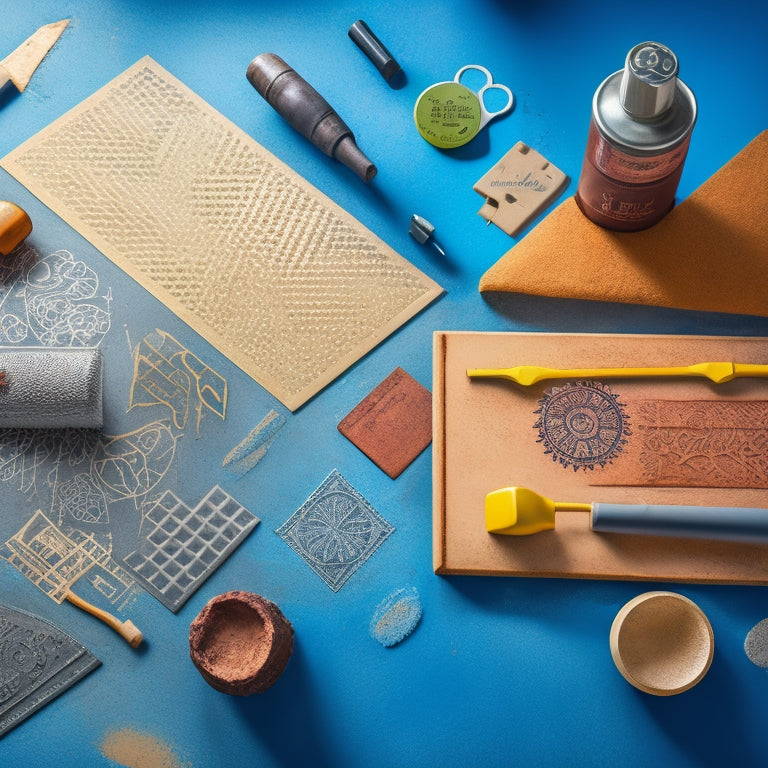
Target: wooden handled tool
126 629
15 225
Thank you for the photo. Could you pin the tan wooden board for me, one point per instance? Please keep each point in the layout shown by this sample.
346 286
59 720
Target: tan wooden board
485 437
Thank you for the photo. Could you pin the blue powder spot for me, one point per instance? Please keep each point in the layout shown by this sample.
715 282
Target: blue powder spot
245 456
396 617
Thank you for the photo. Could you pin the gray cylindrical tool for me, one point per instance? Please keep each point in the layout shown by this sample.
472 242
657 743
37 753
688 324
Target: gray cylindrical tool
308 112
50 388
361 35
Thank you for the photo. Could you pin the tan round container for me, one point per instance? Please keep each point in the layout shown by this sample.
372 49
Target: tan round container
662 643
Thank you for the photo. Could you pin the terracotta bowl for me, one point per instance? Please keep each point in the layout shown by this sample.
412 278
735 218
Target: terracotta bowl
240 643
662 643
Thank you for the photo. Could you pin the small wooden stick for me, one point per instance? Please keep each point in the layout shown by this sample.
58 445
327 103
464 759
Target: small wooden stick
2 378
126 629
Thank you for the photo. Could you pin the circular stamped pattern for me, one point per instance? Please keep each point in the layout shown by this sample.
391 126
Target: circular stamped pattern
582 425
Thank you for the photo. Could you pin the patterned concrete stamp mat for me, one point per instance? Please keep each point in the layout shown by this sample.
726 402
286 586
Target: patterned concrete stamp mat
38 662
269 270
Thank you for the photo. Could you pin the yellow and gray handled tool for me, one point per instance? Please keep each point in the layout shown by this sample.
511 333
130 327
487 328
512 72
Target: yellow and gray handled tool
517 511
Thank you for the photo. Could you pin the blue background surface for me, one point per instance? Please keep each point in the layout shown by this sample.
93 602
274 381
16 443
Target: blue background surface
500 672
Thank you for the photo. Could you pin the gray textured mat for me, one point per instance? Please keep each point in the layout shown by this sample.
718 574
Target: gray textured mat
182 547
38 662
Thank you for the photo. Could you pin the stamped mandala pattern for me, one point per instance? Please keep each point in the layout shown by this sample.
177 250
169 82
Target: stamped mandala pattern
335 531
582 425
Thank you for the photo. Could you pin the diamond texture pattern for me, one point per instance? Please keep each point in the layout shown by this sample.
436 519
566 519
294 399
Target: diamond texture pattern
282 280
335 530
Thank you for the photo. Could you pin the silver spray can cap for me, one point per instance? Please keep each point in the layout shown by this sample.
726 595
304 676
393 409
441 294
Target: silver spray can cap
648 82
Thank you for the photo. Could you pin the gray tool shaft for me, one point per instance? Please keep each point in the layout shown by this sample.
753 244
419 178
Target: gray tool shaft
50 388
308 112
724 523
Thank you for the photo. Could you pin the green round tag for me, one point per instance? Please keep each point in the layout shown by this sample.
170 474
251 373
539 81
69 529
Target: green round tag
448 114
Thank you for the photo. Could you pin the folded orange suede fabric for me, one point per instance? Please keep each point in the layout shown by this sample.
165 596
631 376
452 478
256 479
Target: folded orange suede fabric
710 253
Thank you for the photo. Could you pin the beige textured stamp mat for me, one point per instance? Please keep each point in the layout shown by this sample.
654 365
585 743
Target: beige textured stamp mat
278 277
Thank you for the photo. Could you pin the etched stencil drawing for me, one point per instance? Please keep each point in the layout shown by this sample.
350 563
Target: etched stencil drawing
54 561
705 443
52 301
167 373
582 425
129 466
84 465
283 281
94 485
335 531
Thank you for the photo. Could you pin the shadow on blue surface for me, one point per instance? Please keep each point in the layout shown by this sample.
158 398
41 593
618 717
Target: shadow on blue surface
684 718
688 720
287 717
580 316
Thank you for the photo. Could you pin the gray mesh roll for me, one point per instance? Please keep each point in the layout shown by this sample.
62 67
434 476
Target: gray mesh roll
49 388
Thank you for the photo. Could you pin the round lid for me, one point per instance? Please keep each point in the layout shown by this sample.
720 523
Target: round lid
645 108
649 79
448 114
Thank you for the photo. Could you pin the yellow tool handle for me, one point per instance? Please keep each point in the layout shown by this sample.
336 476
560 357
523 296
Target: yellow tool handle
126 629
526 375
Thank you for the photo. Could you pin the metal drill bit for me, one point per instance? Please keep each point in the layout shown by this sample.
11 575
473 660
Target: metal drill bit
421 230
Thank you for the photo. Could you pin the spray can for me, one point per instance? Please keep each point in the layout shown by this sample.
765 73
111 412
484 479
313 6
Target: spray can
642 118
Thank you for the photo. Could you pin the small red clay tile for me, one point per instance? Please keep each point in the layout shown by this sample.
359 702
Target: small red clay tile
393 424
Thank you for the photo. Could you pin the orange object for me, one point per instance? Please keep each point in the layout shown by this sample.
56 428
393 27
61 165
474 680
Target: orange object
708 254
15 225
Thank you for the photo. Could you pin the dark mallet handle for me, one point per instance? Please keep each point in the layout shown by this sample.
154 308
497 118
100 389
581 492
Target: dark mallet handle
308 112
361 35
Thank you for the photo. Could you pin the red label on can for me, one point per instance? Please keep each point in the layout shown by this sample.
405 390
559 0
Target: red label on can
627 192
633 169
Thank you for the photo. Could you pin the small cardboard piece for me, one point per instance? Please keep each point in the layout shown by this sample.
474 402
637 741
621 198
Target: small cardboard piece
518 188
485 438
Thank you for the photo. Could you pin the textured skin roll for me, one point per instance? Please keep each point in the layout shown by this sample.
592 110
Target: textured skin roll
50 388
